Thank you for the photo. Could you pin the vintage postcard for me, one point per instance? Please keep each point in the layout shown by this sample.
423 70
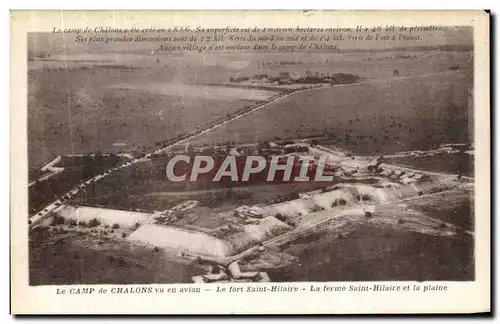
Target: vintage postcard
250 162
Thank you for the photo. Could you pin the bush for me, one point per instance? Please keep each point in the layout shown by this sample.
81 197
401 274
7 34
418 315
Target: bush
156 249
82 224
57 220
94 222
115 226
400 221
342 202
124 235
280 217
294 195
334 203
29 221
316 208
72 222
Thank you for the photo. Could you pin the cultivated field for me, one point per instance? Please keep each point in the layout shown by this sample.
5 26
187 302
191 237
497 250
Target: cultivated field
377 253
447 163
386 247
81 111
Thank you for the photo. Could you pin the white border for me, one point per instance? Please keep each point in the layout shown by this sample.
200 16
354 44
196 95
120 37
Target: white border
424 4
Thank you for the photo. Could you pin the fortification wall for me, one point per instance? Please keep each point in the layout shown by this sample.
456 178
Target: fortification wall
205 244
180 239
266 229
354 193
105 216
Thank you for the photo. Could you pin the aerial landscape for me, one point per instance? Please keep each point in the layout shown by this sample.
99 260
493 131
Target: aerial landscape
392 126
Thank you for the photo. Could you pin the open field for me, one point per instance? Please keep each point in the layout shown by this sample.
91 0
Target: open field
449 163
89 116
74 258
386 249
380 117
379 253
457 209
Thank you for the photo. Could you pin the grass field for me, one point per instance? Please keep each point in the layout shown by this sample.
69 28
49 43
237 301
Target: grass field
373 253
456 209
76 111
388 251
72 258
386 117
449 163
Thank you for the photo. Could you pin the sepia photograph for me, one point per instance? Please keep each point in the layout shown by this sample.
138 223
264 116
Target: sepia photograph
213 156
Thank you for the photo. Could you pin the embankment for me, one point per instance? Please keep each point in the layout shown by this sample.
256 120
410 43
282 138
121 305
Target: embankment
225 242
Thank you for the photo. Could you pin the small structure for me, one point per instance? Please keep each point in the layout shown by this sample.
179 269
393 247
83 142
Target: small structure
369 211
418 176
252 212
386 173
407 180
231 273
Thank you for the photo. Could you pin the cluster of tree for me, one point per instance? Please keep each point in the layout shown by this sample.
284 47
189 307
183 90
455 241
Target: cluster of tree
334 78
289 62
237 79
308 78
32 54
98 163
284 197
260 76
397 56
282 63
